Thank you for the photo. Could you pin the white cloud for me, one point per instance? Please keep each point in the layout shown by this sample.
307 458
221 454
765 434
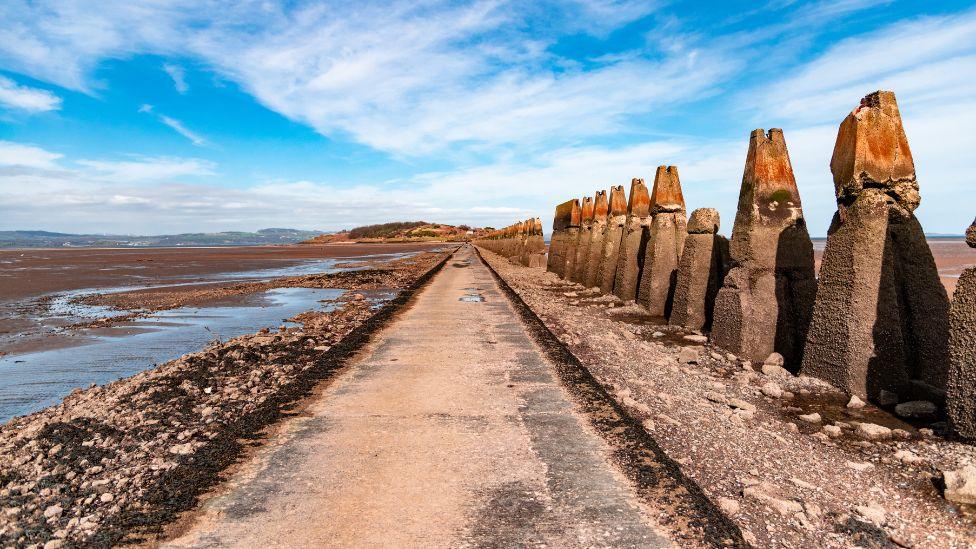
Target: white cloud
178 75
147 169
28 99
17 154
179 128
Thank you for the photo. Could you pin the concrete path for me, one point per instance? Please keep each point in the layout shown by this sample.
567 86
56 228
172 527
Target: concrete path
449 430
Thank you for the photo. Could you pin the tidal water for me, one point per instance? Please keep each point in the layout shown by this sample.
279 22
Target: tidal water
32 381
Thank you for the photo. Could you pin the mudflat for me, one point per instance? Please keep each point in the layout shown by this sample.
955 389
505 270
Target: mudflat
31 272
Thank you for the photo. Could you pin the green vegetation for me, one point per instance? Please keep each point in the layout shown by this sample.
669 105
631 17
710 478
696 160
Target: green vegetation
781 195
384 230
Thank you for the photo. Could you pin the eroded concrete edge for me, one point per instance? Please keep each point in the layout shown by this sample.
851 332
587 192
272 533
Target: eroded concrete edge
657 478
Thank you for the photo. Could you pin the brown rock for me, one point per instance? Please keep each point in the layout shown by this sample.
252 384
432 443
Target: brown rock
632 241
703 265
766 298
881 316
971 235
613 232
665 243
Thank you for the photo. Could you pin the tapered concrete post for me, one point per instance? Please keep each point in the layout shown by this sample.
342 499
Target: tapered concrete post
556 262
583 240
536 245
704 262
630 258
961 389
612 234
601 208
667 238
766 298
572 238
881 316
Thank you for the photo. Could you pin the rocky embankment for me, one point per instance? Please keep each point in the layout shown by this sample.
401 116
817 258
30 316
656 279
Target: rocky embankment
789 459
114 463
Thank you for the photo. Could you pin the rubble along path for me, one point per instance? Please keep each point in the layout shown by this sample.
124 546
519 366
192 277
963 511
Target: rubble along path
449 429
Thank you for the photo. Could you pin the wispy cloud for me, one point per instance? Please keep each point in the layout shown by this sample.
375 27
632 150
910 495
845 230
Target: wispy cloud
179 128
174 124
178 75
15 96
147 169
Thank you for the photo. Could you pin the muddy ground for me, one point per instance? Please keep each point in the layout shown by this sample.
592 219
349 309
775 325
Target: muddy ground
115 463
29 279
783 479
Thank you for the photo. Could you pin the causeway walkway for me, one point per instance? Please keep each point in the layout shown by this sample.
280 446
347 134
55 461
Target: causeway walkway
450 429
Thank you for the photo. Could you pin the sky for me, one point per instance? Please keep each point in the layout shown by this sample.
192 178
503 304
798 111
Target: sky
165 116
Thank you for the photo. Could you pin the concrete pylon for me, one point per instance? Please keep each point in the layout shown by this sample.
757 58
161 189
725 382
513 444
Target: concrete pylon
572 238
612 233
766 298
535 245
583 240
556 262
601 208
881 316
630 258
666 241
704 262
961 388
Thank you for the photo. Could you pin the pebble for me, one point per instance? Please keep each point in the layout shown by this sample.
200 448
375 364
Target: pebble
742 405
772 389
871 431
774 359
873 513
728 506
773 370
855 403
657 334
107 497
688 355
832 431
696 338
53 511
960 485
917 409
860 467
811 418
716 397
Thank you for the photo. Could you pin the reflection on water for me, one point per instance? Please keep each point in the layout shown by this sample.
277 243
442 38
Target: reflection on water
31 381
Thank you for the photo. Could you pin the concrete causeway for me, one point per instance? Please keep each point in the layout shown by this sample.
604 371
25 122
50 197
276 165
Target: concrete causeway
450 429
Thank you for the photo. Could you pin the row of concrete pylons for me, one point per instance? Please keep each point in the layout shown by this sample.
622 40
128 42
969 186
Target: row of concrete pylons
521 242
877 321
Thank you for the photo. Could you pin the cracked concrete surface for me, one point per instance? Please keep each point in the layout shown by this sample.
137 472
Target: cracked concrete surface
450 429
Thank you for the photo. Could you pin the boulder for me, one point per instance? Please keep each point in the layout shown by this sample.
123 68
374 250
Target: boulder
703 265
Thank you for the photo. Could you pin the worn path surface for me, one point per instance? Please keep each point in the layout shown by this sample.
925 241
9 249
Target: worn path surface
449 430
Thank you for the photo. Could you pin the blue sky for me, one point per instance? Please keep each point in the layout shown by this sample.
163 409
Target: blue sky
176 115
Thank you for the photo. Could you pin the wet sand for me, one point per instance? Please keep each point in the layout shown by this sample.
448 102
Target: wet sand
31 279
33 272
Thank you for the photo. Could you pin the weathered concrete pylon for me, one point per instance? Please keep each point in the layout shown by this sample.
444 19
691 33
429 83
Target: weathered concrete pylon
630 257
535 249
961 388
600 209
766 298
572 238
558 241
666 241
881 316
612 233
583 240
704 262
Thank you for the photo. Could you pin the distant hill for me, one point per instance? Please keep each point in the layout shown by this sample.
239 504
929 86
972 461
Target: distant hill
46 239
400 231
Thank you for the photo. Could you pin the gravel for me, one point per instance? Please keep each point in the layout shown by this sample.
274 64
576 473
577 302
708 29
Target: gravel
767 454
